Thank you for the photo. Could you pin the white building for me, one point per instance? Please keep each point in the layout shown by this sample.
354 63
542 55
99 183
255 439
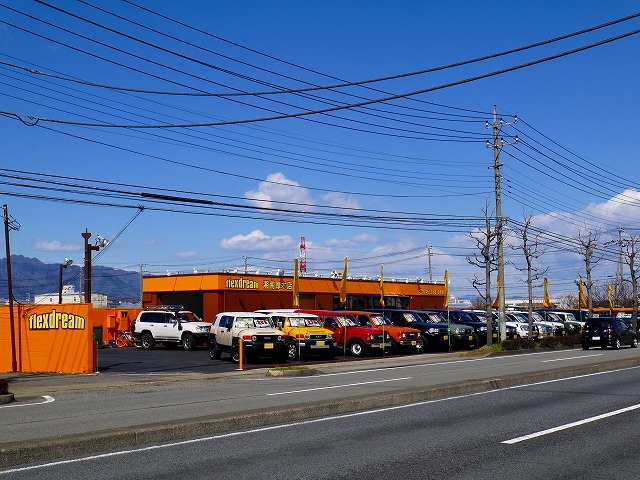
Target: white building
69 295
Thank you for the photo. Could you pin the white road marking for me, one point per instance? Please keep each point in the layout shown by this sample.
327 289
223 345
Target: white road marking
571 358
47 399
339 386
289 425
570 425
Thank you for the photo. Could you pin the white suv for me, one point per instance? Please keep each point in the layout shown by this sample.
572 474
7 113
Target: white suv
169 324
259 338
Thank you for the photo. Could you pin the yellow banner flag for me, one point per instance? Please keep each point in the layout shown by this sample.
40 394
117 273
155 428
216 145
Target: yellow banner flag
296 285
343 285
583 303
546 303
609 292
446 289
496 302
382 286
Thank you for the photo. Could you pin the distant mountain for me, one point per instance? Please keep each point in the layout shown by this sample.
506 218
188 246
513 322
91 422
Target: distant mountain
32 277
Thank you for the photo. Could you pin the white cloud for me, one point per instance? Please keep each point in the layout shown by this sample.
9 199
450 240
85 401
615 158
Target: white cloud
278 188
184 255
56 246
256 240
340 200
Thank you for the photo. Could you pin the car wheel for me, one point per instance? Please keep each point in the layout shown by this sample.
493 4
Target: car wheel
425 343
292 350
393 348
214 351
356 347
616 344
634 342
189 341
419 345
585 346
235 354
147 341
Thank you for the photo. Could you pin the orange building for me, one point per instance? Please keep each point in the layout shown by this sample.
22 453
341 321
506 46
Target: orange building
210 293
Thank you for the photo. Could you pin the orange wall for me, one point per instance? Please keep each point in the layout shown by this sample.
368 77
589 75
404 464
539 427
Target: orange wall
55 338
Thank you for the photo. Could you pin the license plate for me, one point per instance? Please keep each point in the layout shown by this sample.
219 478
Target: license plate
495 335
595 338
471 338
320 343
413 342
446 337
267 346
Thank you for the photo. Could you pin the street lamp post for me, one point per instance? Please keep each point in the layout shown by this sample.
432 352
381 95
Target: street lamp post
101 242
66 263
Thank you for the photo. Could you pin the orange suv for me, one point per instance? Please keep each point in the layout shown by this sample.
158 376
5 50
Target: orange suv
403 339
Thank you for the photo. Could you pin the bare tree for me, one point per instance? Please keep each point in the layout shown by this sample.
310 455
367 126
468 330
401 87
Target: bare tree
630 245
587 243
530 246
486 259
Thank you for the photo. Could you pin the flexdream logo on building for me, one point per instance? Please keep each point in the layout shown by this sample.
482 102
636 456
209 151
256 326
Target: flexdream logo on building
56 320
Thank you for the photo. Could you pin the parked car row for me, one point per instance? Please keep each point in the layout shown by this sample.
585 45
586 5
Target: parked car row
288 334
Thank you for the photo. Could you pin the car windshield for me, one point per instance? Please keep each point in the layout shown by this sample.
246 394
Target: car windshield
379 320
433 317
188 317
345 321
479 316
304 322
411 317
245 322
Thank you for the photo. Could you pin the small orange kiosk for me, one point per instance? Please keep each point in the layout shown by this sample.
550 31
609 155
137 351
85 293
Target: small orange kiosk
208 294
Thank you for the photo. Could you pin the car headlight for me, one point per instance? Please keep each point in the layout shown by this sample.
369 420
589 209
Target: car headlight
307 336
330 336
279 338
433 331
254 338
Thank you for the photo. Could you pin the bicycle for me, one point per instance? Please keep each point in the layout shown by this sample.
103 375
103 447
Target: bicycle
125 339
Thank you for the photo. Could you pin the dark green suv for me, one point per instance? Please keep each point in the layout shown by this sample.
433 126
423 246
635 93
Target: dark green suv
608 331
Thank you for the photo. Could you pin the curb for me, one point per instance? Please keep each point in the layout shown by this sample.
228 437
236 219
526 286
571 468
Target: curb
136 436
6 398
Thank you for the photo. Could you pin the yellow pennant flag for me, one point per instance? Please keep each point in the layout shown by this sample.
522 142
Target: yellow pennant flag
446 289
609 292
496 302
343 285
296 285
546 303
583 303
382 286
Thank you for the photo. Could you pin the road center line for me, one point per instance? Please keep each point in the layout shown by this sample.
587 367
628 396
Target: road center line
339 386
47 399
570 358
571 425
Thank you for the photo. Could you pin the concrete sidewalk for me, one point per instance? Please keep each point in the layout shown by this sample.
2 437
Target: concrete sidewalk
27 387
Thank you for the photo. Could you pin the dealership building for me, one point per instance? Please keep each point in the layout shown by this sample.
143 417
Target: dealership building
207 294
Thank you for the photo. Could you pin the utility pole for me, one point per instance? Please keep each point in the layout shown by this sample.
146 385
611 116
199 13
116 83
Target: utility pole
10 224
430 270
617 294
497 145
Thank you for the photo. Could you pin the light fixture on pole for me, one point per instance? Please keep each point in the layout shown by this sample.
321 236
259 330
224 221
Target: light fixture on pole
100 242
67 262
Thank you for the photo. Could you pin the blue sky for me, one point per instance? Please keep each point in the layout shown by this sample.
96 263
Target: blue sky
377 183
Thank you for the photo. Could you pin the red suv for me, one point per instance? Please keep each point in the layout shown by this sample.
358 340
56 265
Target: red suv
357 339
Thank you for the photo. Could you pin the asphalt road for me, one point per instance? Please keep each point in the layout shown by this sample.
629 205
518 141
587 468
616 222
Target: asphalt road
582 427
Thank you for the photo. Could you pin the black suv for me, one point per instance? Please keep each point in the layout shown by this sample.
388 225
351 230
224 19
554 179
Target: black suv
608 331
462 317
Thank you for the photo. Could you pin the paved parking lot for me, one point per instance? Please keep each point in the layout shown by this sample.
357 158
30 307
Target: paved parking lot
164 360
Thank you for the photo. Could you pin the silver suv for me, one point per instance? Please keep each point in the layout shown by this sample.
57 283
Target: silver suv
259 338
170 325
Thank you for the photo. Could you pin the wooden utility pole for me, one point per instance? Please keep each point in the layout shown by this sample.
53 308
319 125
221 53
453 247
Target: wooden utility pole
497 145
